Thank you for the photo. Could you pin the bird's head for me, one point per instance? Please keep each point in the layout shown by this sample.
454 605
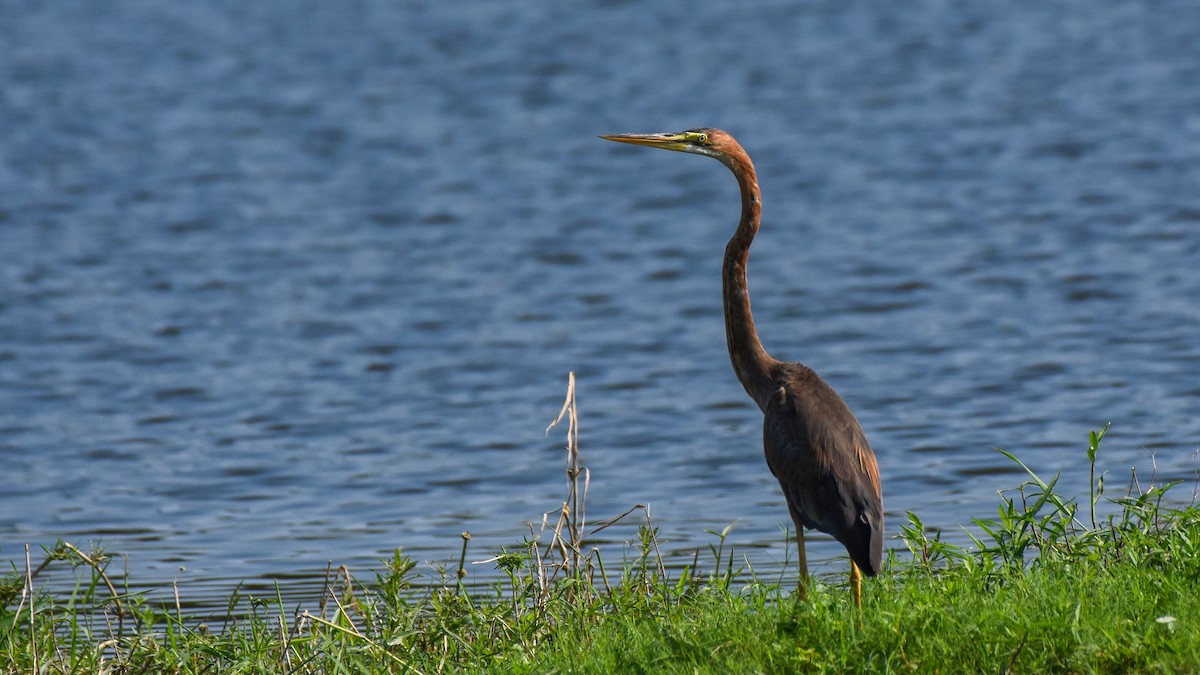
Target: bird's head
709 142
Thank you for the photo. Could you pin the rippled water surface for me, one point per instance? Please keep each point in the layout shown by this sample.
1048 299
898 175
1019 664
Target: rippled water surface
285 283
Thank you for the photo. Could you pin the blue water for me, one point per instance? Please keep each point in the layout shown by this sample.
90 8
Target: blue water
285 283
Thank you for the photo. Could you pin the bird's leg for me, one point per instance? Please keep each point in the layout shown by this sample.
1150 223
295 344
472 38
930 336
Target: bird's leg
803 563
856 584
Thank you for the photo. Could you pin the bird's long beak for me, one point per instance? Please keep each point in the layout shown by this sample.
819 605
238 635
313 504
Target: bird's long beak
665 141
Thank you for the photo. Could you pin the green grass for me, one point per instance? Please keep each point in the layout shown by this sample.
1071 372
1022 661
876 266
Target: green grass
1045 587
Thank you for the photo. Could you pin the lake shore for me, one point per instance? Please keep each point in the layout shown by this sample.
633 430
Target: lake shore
1046 586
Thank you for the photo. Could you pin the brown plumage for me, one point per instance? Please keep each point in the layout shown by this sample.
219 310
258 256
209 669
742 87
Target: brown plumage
814 445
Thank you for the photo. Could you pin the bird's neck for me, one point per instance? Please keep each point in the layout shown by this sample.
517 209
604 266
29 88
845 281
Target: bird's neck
750 360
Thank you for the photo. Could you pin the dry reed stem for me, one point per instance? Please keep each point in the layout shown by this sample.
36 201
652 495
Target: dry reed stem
462 559
556 546
572 510
286 643
27 592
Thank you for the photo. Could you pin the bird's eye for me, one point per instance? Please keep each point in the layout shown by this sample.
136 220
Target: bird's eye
702 138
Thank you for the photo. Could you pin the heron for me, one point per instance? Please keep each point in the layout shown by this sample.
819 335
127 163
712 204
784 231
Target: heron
814 445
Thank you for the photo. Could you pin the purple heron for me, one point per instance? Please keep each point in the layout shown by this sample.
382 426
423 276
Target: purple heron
814 445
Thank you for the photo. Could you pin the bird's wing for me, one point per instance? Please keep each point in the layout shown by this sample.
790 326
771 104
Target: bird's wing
819 453
798 456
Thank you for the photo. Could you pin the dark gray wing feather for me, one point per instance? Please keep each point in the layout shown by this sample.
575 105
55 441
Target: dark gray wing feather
819 453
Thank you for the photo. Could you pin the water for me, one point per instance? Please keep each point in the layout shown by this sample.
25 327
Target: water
286 283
